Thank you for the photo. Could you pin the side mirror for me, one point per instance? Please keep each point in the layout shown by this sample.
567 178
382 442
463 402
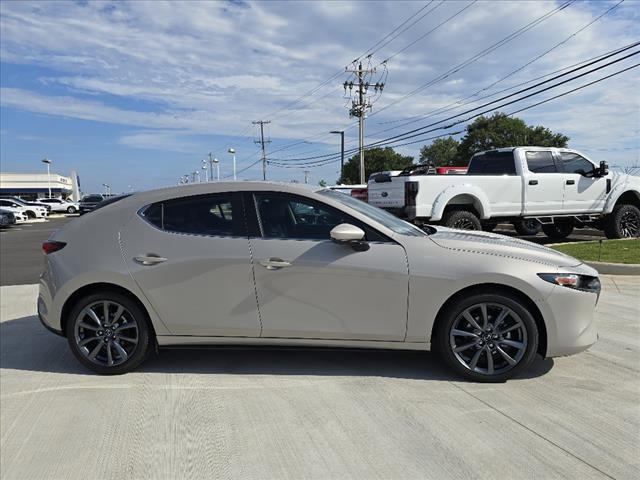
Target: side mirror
604 169
347 234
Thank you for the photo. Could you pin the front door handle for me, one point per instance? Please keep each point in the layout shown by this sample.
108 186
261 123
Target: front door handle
533 182
570 182
149 259
274 263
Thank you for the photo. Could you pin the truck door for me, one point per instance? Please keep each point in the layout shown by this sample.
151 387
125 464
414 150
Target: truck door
543 184
584 192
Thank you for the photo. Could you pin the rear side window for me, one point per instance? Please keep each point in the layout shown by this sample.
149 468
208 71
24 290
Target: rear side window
492 163
541 162
214 215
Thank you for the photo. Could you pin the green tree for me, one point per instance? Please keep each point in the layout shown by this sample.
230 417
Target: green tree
322 183
375 160
442 151
500 130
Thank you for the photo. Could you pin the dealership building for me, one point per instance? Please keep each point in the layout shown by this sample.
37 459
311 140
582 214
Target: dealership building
31 186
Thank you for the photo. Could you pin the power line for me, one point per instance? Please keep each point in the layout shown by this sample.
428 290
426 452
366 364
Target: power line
512 36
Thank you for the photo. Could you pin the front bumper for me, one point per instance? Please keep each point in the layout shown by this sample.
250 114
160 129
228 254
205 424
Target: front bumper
569 319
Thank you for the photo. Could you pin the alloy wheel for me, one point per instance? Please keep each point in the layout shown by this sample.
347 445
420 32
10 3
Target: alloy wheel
630 224
106 333
488 338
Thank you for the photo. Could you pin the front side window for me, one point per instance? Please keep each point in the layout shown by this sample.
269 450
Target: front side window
574 163
541 162
214 215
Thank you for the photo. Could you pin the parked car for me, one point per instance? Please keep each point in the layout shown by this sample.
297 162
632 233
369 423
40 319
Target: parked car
31 211
257 263
61 205
7 218
557 188
19 213
89 202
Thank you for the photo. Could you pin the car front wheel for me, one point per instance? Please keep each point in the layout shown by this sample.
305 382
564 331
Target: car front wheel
71 210
108 333
487 337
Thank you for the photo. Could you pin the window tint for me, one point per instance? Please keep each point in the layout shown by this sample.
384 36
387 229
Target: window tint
492 163
541 162
288 216
574 163
200 215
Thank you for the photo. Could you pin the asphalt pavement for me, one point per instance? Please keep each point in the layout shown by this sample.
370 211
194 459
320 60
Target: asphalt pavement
21 250
318 414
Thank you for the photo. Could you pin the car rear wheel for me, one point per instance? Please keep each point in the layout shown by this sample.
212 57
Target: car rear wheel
108 333
487 337
462 220
71 210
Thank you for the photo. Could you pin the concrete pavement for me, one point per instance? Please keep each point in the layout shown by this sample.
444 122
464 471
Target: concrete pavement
318 414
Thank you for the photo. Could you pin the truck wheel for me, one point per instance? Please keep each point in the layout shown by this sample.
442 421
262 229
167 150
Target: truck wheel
488 225
462 220
527 226
560 229
623 222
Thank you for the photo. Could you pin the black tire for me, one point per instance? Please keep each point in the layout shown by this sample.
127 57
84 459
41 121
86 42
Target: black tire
71 210
138 353
30 214
558 230
462 220
443 343
527 226
488 225
622 222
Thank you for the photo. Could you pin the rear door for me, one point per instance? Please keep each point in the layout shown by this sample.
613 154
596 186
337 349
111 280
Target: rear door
543 183
311 287
190 257
584 192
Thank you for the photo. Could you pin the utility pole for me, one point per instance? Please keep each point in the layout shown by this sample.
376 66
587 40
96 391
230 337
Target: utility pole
341 132
262 142
359 107
306 176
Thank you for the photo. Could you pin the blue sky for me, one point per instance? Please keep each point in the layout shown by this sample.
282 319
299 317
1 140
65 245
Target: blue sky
138 93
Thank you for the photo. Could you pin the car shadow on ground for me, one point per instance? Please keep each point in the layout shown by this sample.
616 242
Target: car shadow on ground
26 345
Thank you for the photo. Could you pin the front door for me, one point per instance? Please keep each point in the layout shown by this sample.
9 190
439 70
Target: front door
543 184
584 192
311 287
190 257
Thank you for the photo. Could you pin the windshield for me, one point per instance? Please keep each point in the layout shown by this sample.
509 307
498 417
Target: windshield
381 216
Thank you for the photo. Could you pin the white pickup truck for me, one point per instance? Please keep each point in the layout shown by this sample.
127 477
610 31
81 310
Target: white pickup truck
554 189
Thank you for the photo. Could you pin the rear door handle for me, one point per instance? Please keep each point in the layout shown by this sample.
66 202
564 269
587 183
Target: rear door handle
149 259
533 182
274 263
570 182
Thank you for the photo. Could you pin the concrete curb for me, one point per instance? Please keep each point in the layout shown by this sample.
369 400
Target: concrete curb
616 268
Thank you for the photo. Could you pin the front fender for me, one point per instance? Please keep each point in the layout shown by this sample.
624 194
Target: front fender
478 198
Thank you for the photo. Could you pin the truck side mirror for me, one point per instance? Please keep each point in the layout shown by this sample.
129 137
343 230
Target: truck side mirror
604 169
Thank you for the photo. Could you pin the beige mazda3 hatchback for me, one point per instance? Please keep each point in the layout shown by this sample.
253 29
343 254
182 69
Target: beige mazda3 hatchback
257 263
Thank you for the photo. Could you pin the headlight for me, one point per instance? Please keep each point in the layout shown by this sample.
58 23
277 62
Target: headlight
584 283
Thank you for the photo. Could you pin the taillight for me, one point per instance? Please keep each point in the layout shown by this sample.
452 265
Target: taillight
360 194
410 193
51 246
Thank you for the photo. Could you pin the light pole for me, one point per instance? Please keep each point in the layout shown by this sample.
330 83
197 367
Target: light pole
107 189
48 162
216 162
341 132
233 152
204 167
